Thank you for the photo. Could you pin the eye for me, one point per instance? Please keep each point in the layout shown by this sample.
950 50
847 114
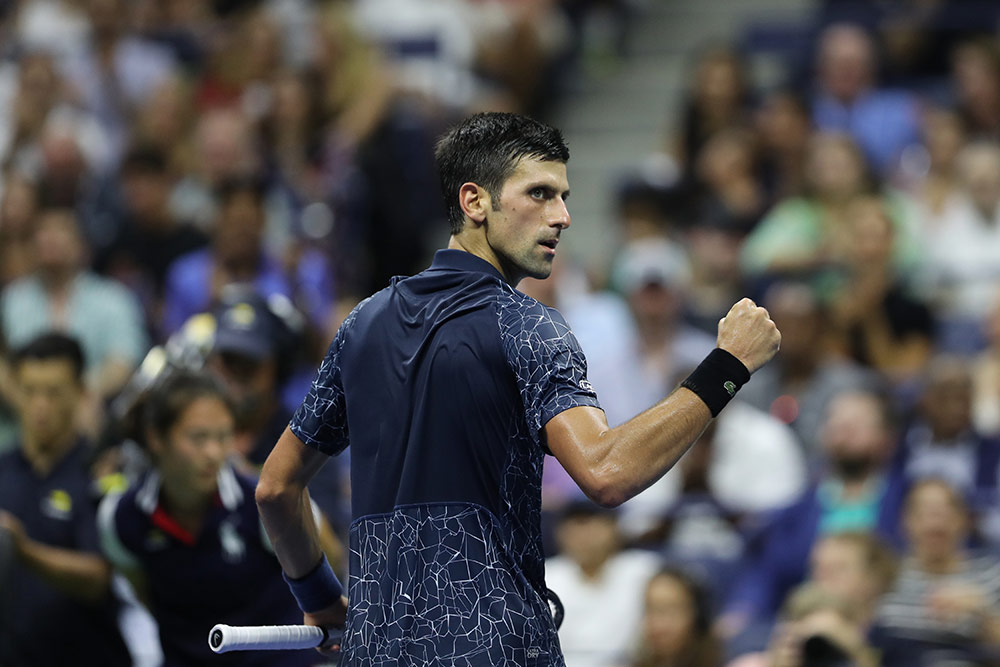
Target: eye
539 193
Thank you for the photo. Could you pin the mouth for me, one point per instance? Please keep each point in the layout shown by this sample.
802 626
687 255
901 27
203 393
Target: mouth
549 245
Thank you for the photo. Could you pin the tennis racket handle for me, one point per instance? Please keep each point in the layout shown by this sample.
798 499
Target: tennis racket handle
224 638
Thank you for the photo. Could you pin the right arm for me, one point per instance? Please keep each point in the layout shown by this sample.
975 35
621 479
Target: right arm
612 465
286 512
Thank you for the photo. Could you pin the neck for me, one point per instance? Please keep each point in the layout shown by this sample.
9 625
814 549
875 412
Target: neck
44 457
57 280
185 506
592 571
475 243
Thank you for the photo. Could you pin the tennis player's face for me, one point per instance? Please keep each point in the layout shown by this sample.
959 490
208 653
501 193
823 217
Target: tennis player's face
196 447
523 228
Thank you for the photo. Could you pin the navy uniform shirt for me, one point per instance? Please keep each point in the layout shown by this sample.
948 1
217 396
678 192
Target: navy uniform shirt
226 573
42 626
442 383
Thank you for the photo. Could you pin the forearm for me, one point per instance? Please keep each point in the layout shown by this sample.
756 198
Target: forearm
82 575
288 520
620 462
285 508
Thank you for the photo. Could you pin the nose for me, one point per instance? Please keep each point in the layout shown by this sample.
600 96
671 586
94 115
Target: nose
561 218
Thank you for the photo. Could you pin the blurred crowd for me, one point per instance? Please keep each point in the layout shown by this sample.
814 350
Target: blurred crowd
194 193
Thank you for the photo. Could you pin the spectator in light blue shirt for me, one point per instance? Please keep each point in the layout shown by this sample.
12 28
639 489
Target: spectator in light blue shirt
883 122
62 295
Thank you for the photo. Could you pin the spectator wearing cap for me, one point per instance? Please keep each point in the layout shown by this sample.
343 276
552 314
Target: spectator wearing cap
253 353
652 275
237 256
600 584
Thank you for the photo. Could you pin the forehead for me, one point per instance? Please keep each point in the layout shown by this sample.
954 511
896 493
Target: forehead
532 171
41 370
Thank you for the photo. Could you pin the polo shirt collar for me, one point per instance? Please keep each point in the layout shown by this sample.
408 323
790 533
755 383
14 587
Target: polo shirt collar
460 260
230 492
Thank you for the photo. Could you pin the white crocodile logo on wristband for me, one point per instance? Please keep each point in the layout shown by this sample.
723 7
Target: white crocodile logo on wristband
730 387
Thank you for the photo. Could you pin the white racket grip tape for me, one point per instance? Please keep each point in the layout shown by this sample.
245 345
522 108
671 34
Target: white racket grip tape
224 638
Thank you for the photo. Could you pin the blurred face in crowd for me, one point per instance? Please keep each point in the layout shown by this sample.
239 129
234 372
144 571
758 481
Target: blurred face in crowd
727 156
946 403
783 123
855 436
225 146
872 232
191 453
835 169
252 383
846 62
976 72
936 522
840 567
796 312
588 540
48 393
239 228
146 194
655 304
944 137
59 244
165 116
718 81
979 170
669 618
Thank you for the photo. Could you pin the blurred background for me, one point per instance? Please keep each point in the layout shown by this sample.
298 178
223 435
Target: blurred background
215 184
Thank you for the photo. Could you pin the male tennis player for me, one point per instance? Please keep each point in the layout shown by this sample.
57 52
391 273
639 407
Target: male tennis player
451 386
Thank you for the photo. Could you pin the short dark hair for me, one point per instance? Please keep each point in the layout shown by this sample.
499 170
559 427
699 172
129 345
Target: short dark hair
51 346
485 148
168 400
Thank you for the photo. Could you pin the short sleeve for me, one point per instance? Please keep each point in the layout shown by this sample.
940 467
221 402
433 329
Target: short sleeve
321 420
546 359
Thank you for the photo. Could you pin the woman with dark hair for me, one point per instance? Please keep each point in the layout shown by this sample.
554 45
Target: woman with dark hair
677 624
188 535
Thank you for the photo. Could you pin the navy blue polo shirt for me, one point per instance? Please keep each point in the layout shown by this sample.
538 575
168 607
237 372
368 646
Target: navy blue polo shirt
226 573
44 626
441 383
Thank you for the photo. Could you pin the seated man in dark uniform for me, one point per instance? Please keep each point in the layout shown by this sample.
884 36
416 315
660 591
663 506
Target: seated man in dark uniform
61 610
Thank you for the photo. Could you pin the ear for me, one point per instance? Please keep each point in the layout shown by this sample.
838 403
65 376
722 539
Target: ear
475 202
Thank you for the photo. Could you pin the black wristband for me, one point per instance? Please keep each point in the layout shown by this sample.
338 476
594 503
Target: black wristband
717 379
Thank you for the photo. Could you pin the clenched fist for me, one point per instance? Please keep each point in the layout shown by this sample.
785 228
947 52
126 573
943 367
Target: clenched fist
748 333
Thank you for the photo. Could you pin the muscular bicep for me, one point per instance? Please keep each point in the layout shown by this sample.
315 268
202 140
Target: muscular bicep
573 436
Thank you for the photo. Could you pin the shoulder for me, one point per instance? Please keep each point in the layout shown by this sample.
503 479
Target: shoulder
524 315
